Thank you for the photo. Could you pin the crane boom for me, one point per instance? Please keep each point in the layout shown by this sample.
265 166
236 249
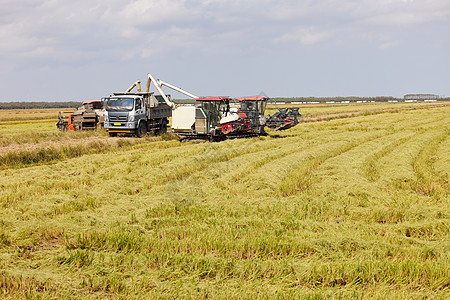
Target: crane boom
150 78
159 83
137 84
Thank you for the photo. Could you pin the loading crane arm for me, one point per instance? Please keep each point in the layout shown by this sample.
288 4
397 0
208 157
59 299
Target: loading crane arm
137 84
159 83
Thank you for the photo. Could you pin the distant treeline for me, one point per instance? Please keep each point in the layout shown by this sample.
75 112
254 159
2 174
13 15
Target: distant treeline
73 104
336 99
29 105
312 99
345 99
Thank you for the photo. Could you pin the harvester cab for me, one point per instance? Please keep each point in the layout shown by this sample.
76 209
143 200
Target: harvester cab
214 109
249 121
202 121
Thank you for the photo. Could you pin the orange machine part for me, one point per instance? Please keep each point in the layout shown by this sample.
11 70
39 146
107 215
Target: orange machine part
69 123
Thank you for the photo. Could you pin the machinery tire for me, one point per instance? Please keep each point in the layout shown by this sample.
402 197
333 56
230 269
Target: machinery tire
163 127
262 132
214 139
113 134
142 130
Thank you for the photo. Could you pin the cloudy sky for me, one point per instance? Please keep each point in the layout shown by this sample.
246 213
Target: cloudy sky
53 50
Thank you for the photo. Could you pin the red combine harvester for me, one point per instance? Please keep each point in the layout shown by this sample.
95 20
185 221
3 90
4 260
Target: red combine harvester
213 119
249 119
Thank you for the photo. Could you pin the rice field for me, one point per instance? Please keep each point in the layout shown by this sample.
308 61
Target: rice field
352 204
18 115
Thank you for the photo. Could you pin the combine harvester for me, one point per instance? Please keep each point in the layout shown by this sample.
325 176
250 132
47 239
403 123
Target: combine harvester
90 115
212 118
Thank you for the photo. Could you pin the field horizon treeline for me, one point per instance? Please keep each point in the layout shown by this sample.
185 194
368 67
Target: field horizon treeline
74 104
39 105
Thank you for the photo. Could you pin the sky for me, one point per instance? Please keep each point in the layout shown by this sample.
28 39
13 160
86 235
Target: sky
57 50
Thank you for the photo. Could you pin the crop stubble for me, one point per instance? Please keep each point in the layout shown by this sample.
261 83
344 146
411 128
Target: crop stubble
351 207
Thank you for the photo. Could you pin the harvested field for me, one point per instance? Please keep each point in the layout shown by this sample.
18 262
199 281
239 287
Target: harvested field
356 206
18 115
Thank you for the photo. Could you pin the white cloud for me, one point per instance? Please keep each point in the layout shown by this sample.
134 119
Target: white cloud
304 36
84 33
60 27
404 12
389 45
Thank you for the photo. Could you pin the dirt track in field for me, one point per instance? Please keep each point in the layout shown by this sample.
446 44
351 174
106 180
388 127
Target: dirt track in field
57 144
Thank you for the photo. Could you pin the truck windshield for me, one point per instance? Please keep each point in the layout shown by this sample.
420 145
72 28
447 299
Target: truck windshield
119 104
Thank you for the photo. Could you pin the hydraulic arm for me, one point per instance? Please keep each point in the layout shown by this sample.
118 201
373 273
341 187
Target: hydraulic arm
159 83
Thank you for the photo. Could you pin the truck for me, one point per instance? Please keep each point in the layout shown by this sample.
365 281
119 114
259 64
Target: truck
138 113
90 115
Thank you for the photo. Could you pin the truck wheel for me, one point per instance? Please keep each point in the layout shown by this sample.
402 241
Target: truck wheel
163 127
142 130
113 134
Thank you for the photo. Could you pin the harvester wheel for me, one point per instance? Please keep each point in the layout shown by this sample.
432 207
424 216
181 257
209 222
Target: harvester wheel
142 130
262 132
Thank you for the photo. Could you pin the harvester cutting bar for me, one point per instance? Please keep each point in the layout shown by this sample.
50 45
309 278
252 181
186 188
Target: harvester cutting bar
284 119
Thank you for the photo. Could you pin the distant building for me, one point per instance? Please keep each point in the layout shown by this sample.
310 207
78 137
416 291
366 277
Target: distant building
421 97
